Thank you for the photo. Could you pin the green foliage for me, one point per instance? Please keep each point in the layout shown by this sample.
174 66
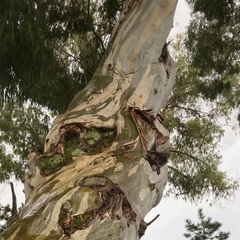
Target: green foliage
53 45
9 166
195 134
28 62
23 130
222 10
206 229
5 213
213 44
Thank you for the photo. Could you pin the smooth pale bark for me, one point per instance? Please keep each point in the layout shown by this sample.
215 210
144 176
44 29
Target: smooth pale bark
104 166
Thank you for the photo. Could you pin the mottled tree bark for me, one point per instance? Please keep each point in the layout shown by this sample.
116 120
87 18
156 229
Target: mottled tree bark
105 161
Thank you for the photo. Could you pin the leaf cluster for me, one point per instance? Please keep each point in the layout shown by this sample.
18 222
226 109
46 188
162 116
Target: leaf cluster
213 44
53 45
23 130
5 213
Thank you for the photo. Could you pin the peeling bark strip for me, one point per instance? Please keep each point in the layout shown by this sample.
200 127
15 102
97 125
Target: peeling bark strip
104 166
110 198
144 122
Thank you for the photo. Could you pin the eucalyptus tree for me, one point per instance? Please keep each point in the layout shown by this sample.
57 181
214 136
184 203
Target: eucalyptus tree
213 43
104 162
113 120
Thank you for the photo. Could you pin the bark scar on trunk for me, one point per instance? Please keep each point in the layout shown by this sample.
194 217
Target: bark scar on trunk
109 199
75 139
164 58
157 159
139 116
84 135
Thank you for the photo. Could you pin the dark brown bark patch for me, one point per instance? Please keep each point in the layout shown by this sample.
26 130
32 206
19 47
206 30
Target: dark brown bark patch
157 159
164 58
142 228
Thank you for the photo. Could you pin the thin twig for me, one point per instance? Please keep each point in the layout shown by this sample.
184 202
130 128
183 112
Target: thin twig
149 223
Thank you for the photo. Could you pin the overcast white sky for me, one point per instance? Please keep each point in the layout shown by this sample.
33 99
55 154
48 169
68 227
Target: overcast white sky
173 212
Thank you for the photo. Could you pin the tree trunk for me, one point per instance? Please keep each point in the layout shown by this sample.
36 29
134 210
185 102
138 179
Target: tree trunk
104 166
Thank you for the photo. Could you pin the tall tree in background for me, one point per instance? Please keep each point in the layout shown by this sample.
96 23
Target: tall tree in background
213 44
45 44
206 229
193 122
